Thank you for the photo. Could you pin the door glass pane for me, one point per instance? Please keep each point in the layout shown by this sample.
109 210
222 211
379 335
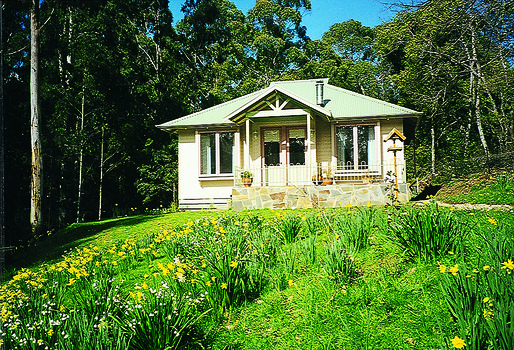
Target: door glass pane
226 152
366 142
208 153
344 145
297 147
271 147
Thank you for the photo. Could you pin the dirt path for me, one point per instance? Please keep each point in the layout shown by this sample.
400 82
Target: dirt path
470 206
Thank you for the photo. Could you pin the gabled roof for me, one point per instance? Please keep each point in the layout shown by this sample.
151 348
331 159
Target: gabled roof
339 104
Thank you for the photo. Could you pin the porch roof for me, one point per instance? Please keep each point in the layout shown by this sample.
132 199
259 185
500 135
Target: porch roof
339 105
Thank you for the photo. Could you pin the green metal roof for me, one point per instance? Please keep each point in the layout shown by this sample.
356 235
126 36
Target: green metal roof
340 104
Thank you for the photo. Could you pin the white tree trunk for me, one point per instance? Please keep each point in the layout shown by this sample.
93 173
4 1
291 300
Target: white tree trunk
101 175
36 188
81 153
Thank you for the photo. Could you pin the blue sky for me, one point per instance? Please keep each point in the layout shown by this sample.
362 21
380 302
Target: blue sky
323 14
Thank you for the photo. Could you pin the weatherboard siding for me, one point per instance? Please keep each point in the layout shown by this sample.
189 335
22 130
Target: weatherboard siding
323 141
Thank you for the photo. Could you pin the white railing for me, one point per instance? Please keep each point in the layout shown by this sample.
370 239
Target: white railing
321 173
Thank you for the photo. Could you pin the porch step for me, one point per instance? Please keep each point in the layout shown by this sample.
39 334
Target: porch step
203 203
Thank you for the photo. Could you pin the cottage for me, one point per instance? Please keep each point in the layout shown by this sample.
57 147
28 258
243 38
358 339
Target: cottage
303 143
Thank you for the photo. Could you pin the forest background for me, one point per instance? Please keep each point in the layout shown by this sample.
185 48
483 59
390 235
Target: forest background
110 70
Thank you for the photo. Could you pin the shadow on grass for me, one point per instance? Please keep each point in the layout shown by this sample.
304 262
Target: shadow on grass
53 247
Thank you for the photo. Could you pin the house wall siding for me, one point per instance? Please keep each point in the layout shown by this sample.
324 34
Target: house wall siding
192 192
323 141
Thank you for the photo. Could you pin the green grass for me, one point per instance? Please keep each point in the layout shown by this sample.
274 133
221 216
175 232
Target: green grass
389 301
496 189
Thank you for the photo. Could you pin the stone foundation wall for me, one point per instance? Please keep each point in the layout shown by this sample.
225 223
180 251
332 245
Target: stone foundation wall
293 197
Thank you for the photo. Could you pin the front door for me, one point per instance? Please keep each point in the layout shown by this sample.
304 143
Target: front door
283 155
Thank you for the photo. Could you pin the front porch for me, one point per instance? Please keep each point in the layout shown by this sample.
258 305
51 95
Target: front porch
314 196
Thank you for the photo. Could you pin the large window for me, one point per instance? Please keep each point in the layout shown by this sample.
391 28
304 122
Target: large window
216 153
356 147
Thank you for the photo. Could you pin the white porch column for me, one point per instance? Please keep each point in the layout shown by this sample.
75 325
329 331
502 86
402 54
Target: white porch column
237 148
308 160
246 164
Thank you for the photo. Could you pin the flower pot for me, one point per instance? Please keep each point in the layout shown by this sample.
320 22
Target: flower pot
327 181
317 180
247 181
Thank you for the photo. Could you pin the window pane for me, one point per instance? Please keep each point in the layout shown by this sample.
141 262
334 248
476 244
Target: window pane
297 147
226 152
366 145
271 147
208 153
344 145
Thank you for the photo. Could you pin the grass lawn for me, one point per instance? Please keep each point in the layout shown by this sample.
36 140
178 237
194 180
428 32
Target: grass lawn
496 188
352 278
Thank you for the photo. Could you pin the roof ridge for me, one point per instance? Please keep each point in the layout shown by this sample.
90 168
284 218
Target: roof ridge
365 97
325 80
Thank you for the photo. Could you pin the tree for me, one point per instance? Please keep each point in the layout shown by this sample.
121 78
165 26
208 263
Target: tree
158 179
36 187
278 37
444 58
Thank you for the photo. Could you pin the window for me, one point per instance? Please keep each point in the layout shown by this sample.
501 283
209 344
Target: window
217 153
356 147
297 147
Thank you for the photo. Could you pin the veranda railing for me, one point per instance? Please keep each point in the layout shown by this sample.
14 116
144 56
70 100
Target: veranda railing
320 173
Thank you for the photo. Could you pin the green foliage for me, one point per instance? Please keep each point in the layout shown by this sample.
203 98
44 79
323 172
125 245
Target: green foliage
246 174
156 290
495 189
427 233
289 226
480 296
158 180
339 261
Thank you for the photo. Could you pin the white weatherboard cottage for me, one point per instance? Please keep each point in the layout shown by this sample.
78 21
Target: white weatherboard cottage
306 143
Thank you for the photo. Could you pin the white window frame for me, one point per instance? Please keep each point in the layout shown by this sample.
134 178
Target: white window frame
376 167
218 174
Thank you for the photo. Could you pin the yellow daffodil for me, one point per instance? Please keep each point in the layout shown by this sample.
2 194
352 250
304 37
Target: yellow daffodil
290 283
508 265
233 264
488 314
224 286
458 343
487 268
492 221
442 268
454 270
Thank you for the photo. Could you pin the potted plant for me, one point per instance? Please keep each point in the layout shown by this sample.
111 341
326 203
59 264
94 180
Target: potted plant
317 178
328 178
246 178
367 178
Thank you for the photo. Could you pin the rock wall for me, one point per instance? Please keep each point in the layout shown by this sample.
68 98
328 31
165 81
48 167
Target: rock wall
293 197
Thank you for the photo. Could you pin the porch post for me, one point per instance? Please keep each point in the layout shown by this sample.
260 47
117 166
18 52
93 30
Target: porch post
247 145
308 139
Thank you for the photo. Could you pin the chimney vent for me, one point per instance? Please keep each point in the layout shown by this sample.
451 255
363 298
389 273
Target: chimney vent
319 93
